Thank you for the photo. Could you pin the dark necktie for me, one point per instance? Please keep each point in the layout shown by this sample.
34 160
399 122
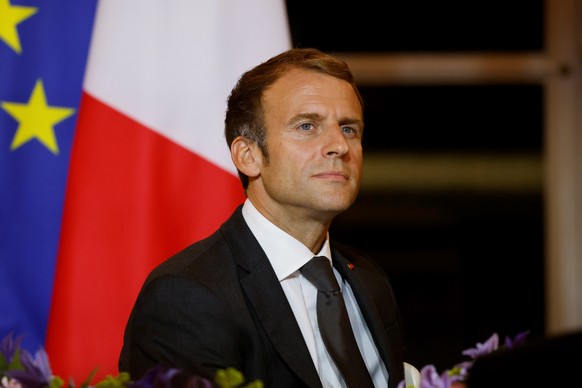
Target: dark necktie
334 324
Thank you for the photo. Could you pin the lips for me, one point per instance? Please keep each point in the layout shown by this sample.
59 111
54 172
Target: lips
339 175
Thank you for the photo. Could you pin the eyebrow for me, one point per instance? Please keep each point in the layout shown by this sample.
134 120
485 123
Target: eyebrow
350 121
318 117
301 116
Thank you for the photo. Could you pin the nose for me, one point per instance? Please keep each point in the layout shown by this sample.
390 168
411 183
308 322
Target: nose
336 143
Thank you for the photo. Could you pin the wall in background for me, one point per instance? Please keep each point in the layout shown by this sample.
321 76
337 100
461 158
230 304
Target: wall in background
452 200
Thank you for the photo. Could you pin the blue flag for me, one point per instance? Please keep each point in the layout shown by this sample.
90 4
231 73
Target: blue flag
43 52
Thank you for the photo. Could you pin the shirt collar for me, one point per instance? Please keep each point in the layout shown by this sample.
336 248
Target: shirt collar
286 254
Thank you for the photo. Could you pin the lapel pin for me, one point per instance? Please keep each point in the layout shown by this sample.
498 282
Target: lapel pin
351 266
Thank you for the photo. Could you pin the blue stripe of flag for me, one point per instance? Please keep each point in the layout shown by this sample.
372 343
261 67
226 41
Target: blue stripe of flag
54 43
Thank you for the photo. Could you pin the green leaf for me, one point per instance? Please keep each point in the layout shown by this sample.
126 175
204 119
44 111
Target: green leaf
118 381
255 384
56 382
3 363
85 383
454 371
229 378
15 363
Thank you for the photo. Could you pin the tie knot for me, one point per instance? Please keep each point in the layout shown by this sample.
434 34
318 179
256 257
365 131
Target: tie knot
319 272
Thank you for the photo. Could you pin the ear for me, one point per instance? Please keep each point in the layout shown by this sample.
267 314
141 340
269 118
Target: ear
246 156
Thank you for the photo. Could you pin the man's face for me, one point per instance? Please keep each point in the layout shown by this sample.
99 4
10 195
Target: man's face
314 129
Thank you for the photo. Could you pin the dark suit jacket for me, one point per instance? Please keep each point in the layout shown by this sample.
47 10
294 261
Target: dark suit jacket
219 304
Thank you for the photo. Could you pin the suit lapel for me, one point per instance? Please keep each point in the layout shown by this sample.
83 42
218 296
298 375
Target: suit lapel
279 322
264 291
367 286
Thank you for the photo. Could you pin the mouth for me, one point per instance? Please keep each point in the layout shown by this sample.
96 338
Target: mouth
333 175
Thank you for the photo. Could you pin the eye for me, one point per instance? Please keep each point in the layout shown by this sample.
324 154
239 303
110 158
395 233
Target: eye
306 126
350 131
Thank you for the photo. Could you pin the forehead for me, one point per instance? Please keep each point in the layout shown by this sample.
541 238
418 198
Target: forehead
303 87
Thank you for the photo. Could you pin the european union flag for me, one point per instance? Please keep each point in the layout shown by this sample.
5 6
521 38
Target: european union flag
43 52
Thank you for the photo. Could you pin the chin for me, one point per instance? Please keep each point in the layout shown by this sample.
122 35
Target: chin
333 202
336 207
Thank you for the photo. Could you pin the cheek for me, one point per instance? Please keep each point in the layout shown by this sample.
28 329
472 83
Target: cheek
357 157
292 158
286 169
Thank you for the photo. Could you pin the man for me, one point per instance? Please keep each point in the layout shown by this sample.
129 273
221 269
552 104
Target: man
294 125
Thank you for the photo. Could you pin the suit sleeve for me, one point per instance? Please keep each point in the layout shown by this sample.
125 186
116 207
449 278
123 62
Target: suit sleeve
178 322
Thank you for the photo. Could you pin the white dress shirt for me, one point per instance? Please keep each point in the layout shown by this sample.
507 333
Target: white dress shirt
287 255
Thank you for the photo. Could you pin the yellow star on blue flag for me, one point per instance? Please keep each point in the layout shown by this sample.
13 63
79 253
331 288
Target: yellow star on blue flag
36 119
10 17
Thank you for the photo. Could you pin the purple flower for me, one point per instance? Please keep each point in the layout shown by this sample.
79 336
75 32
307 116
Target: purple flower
429 378
460 371
8 347
483 348
10 383
162 377
36 372
519 339
159 376
19 366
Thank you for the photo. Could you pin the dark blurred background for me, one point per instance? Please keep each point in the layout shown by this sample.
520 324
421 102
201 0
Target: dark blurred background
444 206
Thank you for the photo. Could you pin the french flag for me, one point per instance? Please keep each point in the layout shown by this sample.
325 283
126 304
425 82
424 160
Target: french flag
149 170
